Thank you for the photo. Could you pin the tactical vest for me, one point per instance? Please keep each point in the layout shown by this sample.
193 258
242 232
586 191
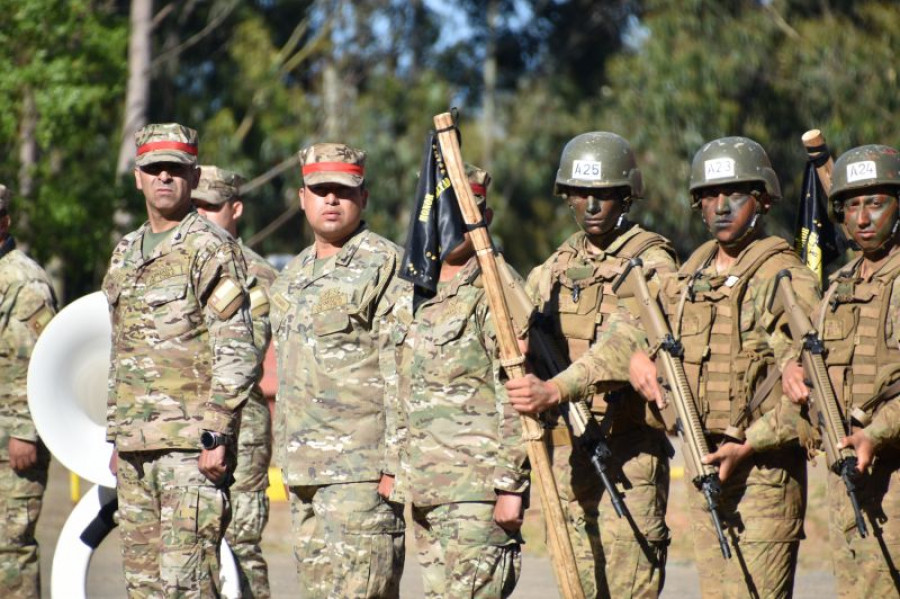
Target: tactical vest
723 373
582 298
854 320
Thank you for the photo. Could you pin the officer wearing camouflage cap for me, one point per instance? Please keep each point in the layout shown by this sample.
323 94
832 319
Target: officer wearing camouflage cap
27 306
734 351
467 496
338 310
183 363
599 180
859 322
217 197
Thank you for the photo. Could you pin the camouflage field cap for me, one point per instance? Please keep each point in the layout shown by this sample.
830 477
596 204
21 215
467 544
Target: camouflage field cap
5 196
479 180
217 185
166 142
333 163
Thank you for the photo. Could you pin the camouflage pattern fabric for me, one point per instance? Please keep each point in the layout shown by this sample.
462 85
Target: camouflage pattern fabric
167 329
869 567
249 515
762 505
464 438
764 501
165 142
336 414
171 519
27 304
612 560
337 362
216 186
464 554
318 163
250 506
348 541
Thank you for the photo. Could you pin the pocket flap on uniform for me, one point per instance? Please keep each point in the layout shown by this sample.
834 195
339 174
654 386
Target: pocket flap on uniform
163 294
333 321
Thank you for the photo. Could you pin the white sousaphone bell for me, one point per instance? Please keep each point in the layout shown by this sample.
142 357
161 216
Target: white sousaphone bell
67 390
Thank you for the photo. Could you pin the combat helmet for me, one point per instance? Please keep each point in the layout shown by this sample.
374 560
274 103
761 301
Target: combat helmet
732 160
599 160
861 168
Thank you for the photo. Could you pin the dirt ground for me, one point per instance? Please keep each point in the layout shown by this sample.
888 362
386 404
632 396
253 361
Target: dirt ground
105 578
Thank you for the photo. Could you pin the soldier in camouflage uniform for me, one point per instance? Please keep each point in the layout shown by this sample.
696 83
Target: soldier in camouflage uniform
27 303
217 198
464 460
859 322
183 363
734 352
572 290
334 312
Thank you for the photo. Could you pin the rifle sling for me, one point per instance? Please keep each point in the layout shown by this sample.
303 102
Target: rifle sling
886 394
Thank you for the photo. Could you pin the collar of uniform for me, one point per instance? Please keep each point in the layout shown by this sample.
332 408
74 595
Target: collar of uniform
175 239
346 254
465 276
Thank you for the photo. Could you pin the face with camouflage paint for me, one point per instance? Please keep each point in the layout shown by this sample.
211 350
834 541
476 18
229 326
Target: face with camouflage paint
332 210
597 211
870 218
729 211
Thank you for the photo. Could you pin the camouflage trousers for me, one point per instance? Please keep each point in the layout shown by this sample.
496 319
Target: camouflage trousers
867 567
763 504
20 497
171 521
617 557
249 515
464 553
348 541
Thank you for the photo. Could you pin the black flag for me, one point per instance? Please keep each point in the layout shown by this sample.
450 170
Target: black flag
436 225
816 240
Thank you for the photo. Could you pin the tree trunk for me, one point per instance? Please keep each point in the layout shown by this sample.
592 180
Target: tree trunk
137 95
488 108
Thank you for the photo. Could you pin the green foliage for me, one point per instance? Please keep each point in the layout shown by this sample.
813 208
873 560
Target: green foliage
250 77
67 57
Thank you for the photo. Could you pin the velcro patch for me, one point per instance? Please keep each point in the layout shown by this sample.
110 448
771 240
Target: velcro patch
226 298
586 170
40 319
862 170
259 302
719 168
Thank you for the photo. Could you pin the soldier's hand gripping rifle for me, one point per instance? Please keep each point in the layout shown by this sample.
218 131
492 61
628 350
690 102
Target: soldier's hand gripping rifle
824 408
549 362
560 546
669 352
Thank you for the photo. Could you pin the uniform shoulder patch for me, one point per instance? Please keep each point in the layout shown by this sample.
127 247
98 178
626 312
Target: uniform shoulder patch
39 320
226 298
259 302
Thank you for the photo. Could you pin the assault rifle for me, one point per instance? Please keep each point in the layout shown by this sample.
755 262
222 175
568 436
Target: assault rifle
669 352
583 427
823 403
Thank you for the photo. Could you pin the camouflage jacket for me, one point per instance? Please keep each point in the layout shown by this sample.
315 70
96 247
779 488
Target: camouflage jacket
254 450
706 307
464 440
334 329
573 290
859 322
27 303
183 358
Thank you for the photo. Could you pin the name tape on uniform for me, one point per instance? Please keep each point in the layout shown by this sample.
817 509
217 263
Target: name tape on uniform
860 171
587 170
719 168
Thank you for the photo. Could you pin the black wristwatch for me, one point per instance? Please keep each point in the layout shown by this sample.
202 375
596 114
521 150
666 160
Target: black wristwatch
211 439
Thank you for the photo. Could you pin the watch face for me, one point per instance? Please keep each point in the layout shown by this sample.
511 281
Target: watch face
207 440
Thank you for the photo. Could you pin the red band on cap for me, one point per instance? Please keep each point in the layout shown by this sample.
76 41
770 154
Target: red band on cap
167 145
332 167
477 189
